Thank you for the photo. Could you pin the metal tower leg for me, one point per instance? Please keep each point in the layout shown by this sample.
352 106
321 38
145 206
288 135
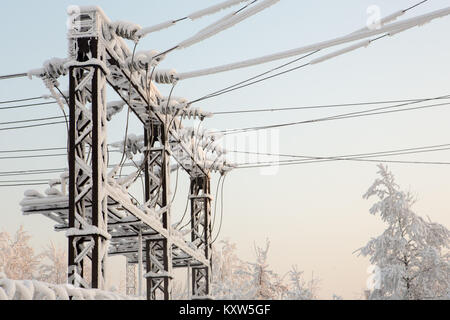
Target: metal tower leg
201 232
157 183
131 279
87 235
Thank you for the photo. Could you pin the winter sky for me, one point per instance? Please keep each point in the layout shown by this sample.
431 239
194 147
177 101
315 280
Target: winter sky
313 214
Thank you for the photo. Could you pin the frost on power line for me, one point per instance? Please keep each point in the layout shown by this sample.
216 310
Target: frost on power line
193 16
215 28
361 44
214 9
391 29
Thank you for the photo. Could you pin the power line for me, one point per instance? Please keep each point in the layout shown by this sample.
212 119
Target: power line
355 104
32 126
32 120
241 84
221 212
335 117
432 148
390 28
30 172
12 76
28 105
357 156
24 184
21 100
27 181
194 15
34 156
32 150
416 5
324 159
230 88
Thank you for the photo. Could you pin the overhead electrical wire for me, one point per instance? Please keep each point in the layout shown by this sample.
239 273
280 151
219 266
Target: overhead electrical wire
12 76
31 150
22 100
360 157
24 184
241 84
221 24
33 126
352 157
390 29
221 211
358 114
324 159
378 153
28 105
193 16
324 106
32 120
34 156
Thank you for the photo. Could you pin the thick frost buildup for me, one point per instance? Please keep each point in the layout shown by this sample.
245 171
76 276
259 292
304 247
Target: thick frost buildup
193 16
226 24
37 290
410 257
214 9
126 29
391 29
332 55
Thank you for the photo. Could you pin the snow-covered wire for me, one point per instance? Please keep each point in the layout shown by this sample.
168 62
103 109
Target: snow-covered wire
193 16
225 24
391 29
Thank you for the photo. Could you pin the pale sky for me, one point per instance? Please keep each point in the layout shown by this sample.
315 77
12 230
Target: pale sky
313 214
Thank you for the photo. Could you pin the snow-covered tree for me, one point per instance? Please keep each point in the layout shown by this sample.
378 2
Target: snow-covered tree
298 288
411 255
229 279
236 279
264 283
54 266
17 257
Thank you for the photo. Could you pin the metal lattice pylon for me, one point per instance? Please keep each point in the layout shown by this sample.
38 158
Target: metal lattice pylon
98 213
88 236
201 232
